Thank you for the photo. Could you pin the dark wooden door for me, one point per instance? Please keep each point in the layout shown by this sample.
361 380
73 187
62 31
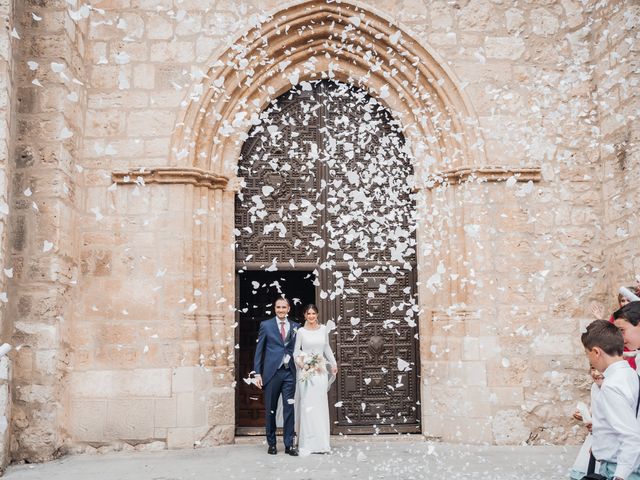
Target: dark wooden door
328 188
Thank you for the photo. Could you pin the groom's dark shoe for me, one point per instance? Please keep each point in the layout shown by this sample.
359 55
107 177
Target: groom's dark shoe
291 451
272 450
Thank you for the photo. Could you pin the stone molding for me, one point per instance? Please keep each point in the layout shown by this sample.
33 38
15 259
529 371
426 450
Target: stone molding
456 176
171 175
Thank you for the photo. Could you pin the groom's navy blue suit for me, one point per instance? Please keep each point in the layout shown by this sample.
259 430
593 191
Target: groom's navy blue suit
277 378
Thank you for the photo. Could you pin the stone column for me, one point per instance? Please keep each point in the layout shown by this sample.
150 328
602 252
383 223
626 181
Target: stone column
6 169
48 138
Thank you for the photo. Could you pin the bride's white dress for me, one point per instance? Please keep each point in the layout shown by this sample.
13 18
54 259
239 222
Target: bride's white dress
312 403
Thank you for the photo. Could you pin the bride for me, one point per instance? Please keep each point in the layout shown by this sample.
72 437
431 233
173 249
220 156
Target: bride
314 359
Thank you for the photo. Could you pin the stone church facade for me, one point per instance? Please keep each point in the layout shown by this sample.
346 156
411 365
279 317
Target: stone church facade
124 122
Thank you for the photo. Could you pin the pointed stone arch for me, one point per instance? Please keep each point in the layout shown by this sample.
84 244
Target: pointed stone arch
313 40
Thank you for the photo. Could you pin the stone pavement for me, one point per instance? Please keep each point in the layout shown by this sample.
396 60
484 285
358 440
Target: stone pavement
387 458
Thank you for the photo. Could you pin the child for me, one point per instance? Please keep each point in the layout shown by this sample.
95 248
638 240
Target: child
627 319
581 464
597 309
616 430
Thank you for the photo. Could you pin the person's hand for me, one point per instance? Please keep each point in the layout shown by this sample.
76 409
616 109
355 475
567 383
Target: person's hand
597 310
577 415
589 426
334 369
258 381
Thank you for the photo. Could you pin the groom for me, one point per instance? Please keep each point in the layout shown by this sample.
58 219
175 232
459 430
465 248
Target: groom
276 372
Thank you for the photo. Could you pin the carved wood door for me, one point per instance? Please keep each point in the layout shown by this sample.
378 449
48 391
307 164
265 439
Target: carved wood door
328 188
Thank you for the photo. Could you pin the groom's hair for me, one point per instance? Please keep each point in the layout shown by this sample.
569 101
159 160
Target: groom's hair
282 299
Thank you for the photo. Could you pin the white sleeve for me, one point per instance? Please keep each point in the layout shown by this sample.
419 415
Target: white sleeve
622 420
328 353
297 349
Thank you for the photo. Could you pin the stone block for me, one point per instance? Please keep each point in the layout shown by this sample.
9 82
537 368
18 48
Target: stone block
221 407
130 52
144 76
155 147
467 373
180 437
154 446
36 394
121 383
40 335
191 409
183 380
96 262
173 52
458 402
479 15
508 428
458 429
189 25
117 100
104 123
165 413
46 362
205 45
514 20
507 372
150 123
105 76
504 48
544 22
507 396
159 28
470 349
87 420
129 419
217 435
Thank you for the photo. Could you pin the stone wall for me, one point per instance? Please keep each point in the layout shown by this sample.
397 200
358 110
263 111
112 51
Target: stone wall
514 327
123 283
616 47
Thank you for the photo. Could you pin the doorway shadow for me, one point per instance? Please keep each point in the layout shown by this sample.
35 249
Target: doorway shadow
257 290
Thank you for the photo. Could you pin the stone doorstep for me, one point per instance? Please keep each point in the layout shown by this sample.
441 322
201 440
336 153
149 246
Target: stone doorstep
349 439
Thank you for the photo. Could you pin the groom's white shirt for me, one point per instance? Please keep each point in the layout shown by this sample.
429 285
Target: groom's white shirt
287 327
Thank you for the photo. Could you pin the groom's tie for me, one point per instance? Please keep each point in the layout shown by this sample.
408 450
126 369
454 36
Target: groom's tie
283 333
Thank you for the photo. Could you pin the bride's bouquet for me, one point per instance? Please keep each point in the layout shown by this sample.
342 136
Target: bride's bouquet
314 364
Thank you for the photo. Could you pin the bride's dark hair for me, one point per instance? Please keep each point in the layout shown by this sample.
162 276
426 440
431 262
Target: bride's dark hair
311 306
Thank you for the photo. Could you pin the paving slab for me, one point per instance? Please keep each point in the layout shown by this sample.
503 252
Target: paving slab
392 458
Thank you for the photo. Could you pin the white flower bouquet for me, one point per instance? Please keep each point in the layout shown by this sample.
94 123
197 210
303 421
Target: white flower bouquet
313 364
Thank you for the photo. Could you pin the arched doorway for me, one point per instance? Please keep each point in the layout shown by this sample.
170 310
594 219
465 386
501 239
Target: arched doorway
326 213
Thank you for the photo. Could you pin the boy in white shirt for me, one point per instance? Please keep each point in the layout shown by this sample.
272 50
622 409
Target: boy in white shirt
616 430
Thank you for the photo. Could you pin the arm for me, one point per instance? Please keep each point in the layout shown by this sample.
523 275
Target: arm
622 420
298 354
328 353
259 356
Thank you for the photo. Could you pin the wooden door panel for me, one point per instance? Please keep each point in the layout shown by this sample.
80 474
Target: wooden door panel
369 340
329 189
